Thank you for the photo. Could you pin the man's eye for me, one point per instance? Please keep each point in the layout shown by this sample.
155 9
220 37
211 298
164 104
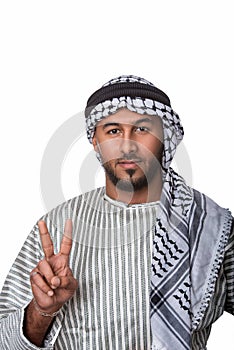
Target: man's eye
113 131
142 129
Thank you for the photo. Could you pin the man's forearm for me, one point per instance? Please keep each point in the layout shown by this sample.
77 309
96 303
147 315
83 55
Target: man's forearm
35 325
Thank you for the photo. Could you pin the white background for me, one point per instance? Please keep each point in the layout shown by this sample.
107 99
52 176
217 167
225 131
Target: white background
54 54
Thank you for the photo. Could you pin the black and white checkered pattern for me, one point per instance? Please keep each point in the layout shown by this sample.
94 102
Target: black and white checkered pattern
128 79
173 130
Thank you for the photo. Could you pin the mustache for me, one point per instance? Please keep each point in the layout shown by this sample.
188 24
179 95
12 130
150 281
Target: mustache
131 156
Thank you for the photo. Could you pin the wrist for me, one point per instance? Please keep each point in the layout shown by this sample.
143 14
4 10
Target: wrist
42 312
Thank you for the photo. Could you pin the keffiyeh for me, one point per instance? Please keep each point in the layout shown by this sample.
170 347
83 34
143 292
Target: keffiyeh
191 231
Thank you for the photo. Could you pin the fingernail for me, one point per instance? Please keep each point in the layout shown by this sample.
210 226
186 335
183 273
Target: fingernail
68 227
55 282
50 293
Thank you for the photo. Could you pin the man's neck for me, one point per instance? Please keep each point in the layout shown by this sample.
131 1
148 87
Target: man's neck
151 193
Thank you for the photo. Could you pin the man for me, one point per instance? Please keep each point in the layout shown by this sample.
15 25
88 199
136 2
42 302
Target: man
146 262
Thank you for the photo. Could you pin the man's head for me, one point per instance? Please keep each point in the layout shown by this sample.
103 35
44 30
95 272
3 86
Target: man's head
118 117
130 148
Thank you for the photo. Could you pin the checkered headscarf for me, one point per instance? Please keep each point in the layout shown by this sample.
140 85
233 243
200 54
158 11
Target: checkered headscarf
140 96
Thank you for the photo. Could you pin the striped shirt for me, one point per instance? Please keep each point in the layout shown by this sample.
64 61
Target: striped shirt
111 259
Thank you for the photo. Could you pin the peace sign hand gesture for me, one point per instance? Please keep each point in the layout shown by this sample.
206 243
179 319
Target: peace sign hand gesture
52 280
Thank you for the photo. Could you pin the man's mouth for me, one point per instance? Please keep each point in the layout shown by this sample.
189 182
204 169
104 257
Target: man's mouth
128 164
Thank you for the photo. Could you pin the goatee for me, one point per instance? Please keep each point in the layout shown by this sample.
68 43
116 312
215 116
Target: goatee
132 184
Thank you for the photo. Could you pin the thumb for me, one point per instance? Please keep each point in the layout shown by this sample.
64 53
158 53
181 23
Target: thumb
68 282
55 282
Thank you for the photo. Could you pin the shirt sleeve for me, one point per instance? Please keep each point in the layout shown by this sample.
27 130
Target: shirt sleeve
16 294
229 273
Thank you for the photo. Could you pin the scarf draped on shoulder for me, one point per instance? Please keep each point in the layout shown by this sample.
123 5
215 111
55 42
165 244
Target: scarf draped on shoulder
191 233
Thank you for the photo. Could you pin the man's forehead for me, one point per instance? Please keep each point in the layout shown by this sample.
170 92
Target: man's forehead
124 116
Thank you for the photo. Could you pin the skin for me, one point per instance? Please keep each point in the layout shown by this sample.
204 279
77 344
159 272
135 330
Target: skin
130 146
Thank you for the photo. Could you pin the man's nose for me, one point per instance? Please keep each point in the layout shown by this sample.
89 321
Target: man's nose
127 145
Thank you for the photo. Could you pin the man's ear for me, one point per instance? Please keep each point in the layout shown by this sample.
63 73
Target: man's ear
95 143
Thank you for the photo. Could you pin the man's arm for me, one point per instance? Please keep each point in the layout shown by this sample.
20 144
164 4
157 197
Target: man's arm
52 285
20 324
229 273
16 294
35 325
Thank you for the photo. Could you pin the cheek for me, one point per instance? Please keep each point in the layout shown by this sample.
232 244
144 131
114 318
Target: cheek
109 150
158 150
153 147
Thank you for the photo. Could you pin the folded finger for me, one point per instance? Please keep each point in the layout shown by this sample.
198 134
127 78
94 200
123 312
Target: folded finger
46 271
37 281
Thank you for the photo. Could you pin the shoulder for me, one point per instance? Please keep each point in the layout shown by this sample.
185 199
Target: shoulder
73 209
208 204
68 207
209 218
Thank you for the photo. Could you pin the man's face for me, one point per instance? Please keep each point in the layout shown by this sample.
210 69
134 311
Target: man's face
130 146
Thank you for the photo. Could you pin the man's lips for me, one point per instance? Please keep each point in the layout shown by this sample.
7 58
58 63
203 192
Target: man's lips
128 164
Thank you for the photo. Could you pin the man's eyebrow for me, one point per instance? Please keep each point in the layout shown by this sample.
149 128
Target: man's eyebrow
109 124
137 122
143 120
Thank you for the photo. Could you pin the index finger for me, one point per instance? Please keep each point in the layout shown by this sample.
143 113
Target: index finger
66 243
46 241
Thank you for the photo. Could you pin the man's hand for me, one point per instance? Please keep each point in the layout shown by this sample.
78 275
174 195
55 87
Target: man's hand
52 284
52 280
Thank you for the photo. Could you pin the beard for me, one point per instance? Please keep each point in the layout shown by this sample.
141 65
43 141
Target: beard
132 184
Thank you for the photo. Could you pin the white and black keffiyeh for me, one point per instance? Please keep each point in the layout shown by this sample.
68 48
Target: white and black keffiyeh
190 234
173 131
